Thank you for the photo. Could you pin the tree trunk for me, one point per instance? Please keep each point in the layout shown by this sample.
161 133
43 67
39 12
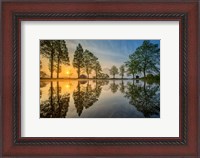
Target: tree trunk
144 87
87 72
144 72
58 67
51 95
78 71
51 65
133 76
113 76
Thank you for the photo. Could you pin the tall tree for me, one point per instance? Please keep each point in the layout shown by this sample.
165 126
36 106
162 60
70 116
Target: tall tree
61 55
122 71
78 59
48 50
89 60
146 58
132 65
114 71
97 68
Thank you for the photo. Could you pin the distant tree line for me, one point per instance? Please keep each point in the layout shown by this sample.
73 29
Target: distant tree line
145 60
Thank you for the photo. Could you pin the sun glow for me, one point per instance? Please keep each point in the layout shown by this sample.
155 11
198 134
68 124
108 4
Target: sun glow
67 86
67 72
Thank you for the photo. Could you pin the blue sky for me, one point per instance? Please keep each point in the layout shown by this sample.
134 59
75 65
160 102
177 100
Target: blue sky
109 52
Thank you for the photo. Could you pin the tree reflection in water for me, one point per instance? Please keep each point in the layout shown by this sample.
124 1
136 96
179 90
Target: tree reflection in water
42 84
85 97
122 87
145 98
57 105
114 87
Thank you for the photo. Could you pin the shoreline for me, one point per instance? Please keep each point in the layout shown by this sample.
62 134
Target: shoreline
82 79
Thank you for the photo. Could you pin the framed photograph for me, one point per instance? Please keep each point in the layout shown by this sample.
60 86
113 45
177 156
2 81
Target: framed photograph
100 78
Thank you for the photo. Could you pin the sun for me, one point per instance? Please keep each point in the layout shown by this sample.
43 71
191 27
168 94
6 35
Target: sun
67 72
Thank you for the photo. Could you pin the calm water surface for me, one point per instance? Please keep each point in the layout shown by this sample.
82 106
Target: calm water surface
99 99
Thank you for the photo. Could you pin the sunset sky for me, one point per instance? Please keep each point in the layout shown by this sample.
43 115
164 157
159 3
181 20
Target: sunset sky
109 53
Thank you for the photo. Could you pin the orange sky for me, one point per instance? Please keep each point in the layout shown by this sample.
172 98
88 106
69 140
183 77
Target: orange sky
66 71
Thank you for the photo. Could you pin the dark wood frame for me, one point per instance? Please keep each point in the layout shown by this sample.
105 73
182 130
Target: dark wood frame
186 144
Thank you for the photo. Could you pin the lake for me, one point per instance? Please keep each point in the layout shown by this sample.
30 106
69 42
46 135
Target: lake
99 99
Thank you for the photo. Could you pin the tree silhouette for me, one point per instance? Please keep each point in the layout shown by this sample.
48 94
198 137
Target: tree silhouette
145 59
89 60
132 65
61 55
78 59
114 71
48 50
97 68
122 71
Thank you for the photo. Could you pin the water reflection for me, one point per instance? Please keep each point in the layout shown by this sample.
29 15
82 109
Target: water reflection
99 99
114 87
56 106
85 97
146 98
122 87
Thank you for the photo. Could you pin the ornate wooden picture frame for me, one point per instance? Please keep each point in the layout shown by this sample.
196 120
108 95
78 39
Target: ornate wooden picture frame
13 13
